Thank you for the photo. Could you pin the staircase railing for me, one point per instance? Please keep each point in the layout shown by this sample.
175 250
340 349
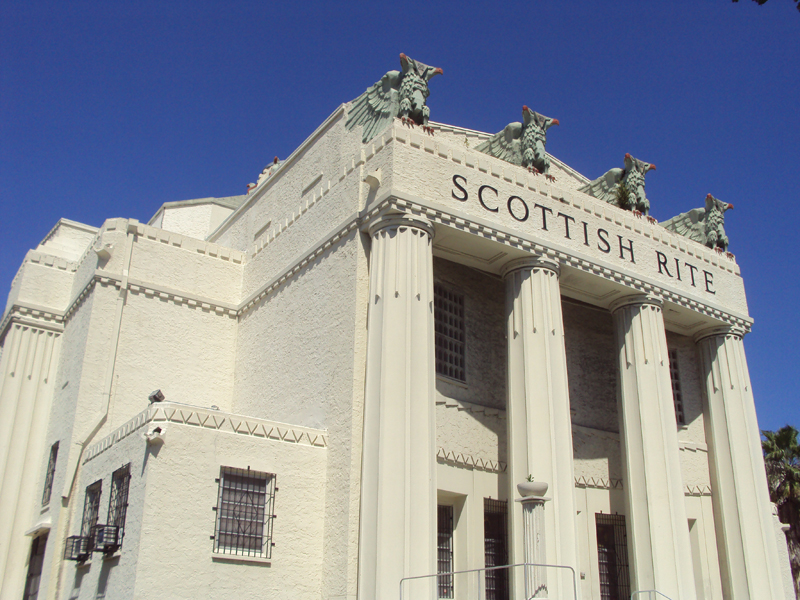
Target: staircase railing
484 569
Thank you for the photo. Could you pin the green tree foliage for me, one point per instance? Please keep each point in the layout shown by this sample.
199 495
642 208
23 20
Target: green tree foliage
760 2
782 460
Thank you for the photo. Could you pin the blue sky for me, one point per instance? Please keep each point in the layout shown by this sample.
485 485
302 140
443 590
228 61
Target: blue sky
109 109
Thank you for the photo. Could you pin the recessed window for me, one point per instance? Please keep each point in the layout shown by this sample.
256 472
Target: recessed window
91 508
445 550
677 395
35 563
51 471
612 557
450 333
495 544
245 512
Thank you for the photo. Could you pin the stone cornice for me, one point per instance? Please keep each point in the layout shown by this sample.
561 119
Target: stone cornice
171 413
30 315
484 229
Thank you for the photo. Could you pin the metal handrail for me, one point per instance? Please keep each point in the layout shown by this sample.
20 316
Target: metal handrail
649 592
574 579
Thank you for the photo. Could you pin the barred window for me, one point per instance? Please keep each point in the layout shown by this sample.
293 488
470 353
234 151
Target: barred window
245 512
612 557
675 378
445 550
495 543
91 508
450 333
118 501
51 471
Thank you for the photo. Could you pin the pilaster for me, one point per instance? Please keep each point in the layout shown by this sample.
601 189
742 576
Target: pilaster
742 510
658 533
398 497
539 421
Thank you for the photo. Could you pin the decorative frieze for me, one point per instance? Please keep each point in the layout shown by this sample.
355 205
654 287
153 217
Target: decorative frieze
462 459
204 418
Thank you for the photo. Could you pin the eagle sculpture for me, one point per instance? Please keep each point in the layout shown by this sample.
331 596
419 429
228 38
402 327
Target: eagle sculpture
704 225
398 94
631 179
522 143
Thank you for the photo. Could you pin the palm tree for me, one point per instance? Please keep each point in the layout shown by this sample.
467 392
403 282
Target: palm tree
782 459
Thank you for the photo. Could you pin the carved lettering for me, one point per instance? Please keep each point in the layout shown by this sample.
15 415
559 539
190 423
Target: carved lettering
622 249
544 215
603 235
511 210
692 269
465 197
709 282
567 219
662 262
480 197
585 233
678 269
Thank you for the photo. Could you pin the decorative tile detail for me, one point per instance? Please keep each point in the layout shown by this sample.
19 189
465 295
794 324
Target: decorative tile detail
466 460
204 418
600 483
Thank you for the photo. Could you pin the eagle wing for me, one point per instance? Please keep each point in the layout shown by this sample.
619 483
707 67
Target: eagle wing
689 224
603 187
505 144
375 108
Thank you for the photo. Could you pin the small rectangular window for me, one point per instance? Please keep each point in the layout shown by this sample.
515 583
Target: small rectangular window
450 333
118 501
612 557
445 550
91 509
675 378
51 471
245 512
495 542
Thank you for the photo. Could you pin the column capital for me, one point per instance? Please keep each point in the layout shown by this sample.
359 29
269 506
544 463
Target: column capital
636 299
719 331
400 220
532 262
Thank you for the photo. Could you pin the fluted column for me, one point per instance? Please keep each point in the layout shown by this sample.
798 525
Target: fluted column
398 494
538 417
742 510
27 390
658 534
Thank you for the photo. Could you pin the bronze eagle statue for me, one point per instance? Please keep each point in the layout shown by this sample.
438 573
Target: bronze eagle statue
704 225
630 179
522 143
397 94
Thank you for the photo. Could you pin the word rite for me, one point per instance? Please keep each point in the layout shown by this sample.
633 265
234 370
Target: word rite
580 231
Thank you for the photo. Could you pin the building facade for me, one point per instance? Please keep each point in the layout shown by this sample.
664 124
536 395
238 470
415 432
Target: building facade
355 364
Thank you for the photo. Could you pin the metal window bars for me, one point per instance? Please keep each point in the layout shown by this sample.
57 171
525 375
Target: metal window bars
51 471
450 333
445 550
495 540
91 508
245 513
612 557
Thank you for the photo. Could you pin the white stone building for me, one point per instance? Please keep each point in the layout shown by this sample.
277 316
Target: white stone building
359 360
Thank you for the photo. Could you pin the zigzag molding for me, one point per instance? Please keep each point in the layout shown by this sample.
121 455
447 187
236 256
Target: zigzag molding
467 460
192 416
601 483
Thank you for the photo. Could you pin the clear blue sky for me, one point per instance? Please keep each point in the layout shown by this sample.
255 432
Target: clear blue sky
108 109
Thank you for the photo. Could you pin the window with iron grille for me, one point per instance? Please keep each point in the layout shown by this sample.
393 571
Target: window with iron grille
51 471
245 512
35 568
495 543
91 509
450 333
445 550
675 378
612 557
118 501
